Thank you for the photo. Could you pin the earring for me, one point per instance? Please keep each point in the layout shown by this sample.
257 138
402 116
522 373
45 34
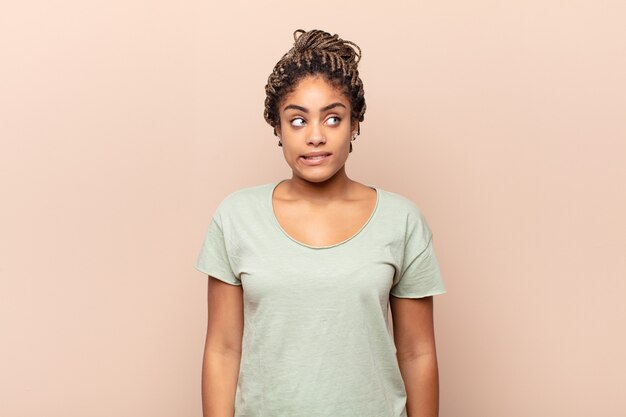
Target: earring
353 138
280 143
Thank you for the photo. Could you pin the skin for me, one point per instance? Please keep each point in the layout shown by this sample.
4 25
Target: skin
414 337
319 205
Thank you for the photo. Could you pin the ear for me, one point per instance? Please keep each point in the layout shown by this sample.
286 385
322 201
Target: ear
277 131
354 128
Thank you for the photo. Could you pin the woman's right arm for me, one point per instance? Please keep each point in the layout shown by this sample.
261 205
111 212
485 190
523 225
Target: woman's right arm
222 351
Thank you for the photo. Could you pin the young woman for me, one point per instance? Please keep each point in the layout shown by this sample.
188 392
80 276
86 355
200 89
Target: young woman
302 271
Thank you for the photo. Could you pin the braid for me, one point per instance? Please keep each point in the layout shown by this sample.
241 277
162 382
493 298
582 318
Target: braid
316 53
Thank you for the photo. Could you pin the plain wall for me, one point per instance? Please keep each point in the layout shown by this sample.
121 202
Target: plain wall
124 123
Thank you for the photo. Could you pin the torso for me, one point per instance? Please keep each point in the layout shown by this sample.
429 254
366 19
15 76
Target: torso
317 318
323 224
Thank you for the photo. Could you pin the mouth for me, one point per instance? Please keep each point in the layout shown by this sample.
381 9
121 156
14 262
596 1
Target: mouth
314 158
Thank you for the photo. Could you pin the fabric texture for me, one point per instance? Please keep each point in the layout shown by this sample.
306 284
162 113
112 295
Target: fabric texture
316 339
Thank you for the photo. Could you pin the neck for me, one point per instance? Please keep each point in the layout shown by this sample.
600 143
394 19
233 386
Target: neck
334 187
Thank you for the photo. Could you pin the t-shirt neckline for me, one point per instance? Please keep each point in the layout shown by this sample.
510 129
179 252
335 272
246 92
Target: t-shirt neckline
343 242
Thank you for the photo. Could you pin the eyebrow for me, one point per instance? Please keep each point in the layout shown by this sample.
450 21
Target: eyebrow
323 109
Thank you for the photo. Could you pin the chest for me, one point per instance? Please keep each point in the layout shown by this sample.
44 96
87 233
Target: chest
315 225
297 281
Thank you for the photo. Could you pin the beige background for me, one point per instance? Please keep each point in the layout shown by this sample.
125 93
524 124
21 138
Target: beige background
123 124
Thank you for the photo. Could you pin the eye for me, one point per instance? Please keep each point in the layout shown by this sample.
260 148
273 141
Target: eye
334 120
298 121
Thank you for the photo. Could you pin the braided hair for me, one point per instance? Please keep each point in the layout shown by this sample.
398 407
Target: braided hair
316 53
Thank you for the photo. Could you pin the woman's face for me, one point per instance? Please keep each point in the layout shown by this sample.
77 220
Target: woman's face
315 117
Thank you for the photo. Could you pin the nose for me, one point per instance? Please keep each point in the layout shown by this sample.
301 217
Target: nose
316 135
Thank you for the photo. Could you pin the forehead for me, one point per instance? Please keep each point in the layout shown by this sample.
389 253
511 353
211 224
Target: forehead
315 91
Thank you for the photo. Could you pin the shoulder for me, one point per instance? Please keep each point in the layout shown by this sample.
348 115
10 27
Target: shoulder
244 200
404 216
398 204
245 194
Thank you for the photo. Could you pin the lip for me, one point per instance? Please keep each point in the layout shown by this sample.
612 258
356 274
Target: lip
316 153
311 162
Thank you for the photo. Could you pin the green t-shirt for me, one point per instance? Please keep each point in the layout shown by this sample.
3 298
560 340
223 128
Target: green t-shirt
316 338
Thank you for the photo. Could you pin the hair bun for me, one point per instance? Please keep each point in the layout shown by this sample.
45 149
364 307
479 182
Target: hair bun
321 41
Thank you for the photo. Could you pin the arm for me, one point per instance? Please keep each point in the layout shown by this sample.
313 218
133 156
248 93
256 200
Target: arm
222 351
414 337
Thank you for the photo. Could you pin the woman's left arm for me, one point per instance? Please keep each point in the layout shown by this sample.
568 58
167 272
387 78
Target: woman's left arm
414 336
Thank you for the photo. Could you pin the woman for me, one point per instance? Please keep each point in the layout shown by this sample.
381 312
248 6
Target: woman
302 271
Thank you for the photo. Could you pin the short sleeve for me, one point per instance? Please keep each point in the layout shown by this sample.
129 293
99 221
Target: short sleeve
419 275
213 258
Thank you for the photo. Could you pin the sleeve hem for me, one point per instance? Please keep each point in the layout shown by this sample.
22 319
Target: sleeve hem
220 275
428 294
